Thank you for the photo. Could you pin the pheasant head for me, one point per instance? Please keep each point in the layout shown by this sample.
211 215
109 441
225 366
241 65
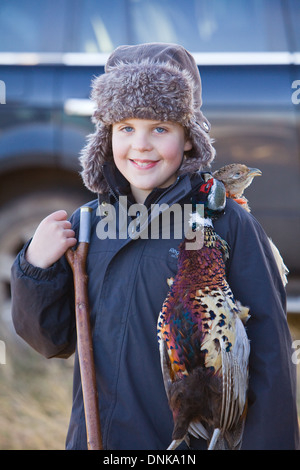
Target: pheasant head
236 177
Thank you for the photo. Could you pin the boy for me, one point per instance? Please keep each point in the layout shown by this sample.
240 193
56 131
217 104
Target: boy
151 140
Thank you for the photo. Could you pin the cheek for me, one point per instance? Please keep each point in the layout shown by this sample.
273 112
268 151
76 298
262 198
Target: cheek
173 153
114 143
118 150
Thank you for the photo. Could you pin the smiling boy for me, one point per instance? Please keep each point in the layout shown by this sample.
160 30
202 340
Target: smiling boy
151 144
148 153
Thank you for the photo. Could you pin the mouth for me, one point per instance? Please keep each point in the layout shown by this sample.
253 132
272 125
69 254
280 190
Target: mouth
144 164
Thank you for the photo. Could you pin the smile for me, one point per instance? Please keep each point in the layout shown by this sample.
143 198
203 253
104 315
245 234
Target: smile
145 164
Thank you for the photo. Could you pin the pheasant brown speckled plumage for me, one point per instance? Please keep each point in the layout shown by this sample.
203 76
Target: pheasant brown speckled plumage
204 347
236 177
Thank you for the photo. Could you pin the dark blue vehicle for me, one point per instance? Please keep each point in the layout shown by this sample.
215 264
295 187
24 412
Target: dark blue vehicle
248 53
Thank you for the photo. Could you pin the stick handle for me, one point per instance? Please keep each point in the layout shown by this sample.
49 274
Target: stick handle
85 224
77 260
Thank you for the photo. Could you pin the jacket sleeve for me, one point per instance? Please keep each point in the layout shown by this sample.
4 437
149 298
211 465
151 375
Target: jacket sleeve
43 306
255 281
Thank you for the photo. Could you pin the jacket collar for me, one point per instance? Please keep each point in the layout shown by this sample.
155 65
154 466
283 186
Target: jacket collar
184 186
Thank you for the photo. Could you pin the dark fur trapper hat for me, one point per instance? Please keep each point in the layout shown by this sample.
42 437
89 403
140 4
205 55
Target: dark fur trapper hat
147 81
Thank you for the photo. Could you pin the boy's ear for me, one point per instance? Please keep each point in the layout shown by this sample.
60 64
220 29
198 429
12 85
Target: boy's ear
188 145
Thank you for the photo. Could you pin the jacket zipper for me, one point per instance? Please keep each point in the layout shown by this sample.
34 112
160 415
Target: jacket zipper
149 208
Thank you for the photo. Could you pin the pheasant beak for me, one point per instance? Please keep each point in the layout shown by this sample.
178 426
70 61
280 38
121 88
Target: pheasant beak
254 172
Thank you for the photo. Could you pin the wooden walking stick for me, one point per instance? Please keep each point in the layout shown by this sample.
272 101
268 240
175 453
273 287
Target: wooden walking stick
77 260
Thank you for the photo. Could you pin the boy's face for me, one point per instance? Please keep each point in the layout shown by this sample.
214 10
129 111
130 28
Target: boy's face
148 153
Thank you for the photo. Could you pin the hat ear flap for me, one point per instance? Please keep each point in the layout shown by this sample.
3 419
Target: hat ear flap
97 151
202 153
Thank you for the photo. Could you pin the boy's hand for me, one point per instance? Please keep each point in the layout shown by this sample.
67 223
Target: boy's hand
51 240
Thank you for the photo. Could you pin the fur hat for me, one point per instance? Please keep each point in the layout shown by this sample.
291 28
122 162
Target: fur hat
147 81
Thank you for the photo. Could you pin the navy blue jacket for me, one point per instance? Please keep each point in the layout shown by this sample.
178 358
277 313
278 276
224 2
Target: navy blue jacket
127 287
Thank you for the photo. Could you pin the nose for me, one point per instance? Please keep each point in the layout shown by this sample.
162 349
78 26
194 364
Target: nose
141 141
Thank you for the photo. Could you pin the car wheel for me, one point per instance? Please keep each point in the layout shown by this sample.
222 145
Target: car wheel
18 221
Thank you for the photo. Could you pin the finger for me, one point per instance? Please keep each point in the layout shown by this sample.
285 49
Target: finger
65 224
69 233
58 215
71 242
67 243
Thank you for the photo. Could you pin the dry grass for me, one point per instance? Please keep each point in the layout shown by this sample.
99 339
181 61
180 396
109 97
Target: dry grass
35 400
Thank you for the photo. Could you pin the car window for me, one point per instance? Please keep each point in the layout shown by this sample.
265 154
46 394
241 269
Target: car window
199 25
293 7
31 26
100 26
210 25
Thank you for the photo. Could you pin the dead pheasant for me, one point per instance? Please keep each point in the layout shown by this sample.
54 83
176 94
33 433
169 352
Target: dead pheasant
204 348
236 178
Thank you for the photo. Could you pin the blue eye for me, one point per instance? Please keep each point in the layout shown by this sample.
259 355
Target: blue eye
160 130
127 129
